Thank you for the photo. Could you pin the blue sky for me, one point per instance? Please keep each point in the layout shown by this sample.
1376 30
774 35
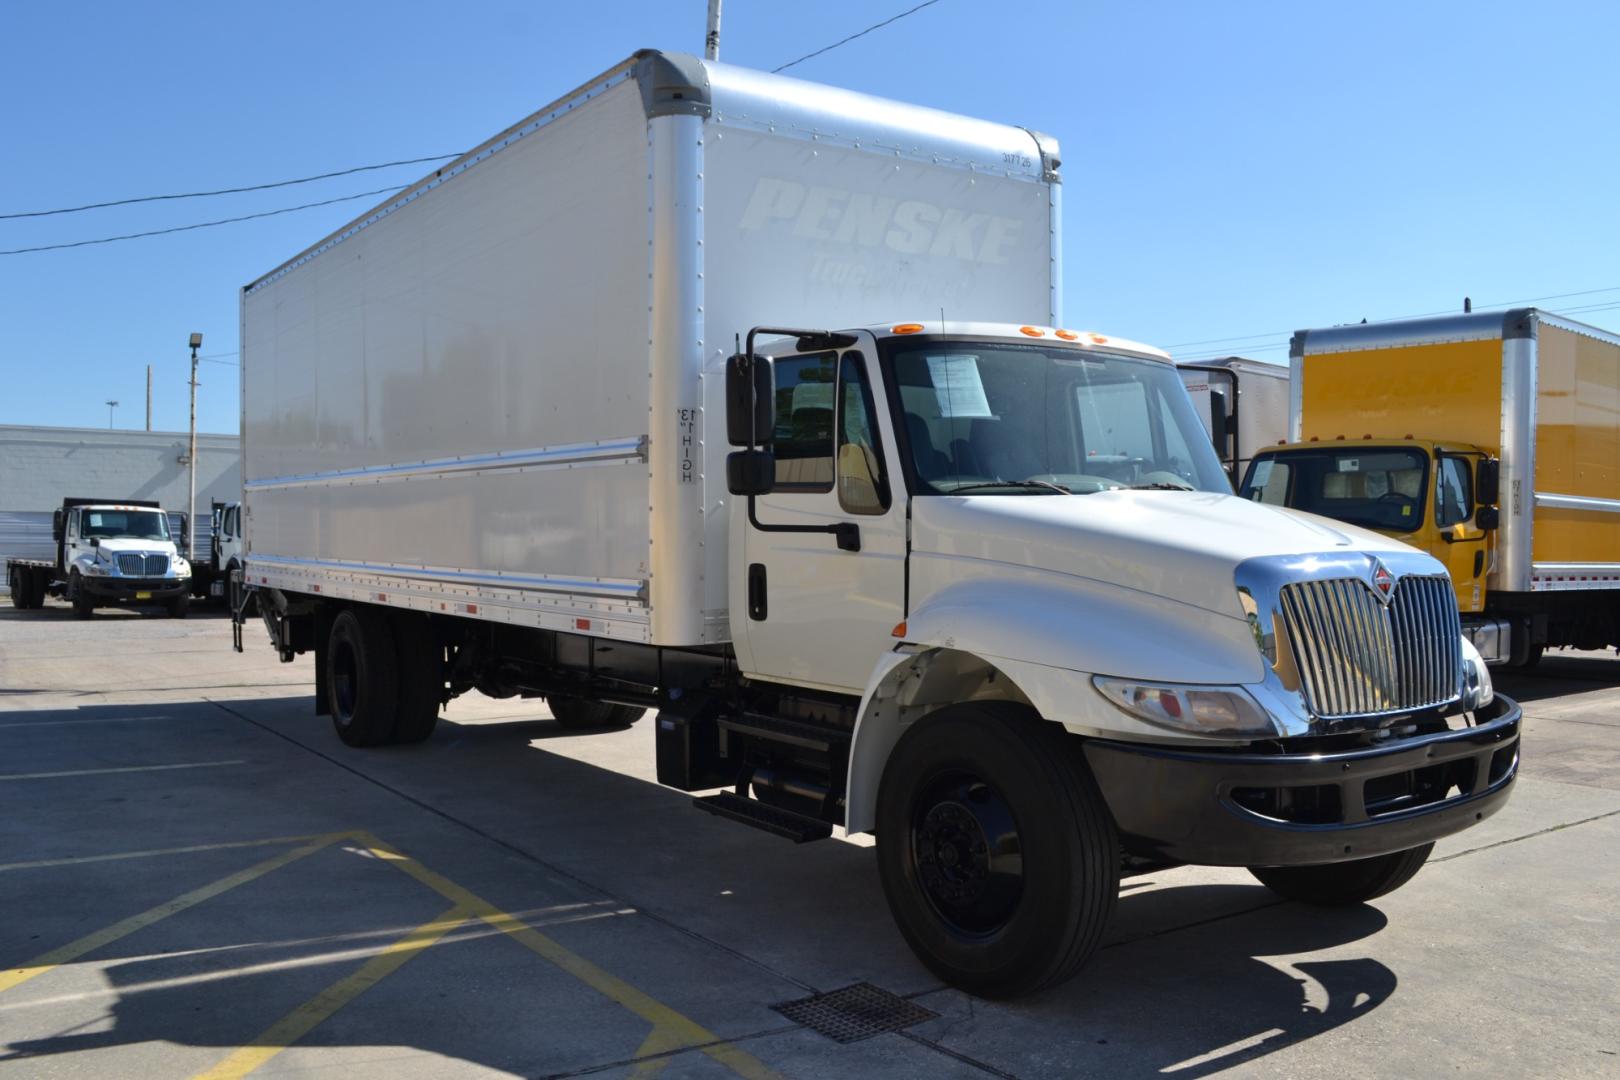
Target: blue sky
1233 170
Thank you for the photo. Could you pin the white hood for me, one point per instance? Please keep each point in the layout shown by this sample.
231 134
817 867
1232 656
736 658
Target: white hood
114 545
1182 545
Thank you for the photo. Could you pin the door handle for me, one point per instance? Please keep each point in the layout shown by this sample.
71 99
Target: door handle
757 609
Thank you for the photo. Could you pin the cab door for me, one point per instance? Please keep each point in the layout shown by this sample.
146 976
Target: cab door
805 608
1463 546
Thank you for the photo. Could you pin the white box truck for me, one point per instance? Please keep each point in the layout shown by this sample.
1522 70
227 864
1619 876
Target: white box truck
1243 404
964 578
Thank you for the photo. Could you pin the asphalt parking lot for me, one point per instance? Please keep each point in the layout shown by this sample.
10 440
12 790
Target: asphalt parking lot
198 879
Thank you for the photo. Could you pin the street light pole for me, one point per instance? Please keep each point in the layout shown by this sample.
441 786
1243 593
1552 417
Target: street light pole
191 459
111 405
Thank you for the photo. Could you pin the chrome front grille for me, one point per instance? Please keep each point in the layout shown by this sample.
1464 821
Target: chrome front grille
143 565
1358 656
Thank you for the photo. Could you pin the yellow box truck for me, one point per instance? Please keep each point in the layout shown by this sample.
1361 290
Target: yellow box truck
1489 440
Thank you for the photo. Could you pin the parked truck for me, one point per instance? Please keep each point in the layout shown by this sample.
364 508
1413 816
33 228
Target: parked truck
211 579
1488 440
108 553
1243 404
647 402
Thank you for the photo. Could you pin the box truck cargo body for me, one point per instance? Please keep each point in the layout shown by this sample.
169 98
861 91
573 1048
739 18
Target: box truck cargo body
748 400
1244 406
1490 440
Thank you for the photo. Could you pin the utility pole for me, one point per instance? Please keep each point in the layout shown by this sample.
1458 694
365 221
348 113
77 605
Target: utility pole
111 405
711 42
191 459
148 397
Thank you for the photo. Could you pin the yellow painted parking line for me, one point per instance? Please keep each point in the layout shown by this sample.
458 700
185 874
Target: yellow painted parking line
79 860
121 769
670 1028
91 942
660 1041
302 1020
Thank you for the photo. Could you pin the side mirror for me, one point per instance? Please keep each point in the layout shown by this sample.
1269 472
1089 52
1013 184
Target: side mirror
750 401
185 529
58 526
750 472
1488 518
1488 482
95 541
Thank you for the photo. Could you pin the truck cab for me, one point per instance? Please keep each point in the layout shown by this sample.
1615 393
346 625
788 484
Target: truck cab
1437 497
118 554
225 546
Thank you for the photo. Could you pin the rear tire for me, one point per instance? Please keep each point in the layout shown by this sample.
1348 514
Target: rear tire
1345 883
362 679
996 851
33 588
84 605
421 673
14 582
579 714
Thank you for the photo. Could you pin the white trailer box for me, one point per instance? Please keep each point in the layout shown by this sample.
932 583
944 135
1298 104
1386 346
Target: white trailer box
500 392
1243 404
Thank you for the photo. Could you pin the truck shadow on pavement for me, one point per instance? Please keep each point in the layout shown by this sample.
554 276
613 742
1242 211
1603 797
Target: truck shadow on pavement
1557 675
1193 978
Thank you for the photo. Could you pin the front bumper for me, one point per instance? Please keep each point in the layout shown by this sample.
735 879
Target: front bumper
124 590
1248 809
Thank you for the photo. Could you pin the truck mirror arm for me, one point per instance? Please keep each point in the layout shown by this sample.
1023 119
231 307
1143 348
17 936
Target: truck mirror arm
848 533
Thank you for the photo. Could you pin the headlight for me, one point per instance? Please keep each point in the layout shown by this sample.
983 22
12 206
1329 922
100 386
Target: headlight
1477 689
181 567
1197 710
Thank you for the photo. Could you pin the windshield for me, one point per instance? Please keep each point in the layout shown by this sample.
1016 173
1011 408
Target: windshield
1377 487
999 418
132 524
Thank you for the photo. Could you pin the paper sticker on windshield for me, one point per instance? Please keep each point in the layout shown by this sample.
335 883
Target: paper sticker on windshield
958 387
1349 464
1262 472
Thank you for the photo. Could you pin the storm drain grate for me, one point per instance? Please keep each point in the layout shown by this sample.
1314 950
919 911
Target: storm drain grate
854 1013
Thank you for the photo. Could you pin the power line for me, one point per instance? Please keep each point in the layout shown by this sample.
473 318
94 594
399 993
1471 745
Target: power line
225 191
852 37
204 224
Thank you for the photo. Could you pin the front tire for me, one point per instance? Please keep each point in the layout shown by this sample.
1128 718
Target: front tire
179 606
996 851
580 714
84 605
1344 883
362 679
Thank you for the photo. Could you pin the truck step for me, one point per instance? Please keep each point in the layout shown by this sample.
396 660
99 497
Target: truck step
816 737
796 827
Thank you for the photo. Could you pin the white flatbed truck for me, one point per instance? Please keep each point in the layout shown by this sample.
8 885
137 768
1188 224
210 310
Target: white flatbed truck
977 584
108 553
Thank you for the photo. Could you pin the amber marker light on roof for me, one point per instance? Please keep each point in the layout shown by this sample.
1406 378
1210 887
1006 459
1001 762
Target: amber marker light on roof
1098 338
1067 335
907 328
1031 331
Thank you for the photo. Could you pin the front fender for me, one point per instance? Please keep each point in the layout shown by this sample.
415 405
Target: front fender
1037 644
1076 624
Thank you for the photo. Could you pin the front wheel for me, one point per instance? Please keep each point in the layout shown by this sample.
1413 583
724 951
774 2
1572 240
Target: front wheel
1344 883
179 606
84 605
996 851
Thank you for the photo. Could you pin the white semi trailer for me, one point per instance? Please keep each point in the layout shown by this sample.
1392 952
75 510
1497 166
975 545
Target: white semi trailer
919 561
1243 404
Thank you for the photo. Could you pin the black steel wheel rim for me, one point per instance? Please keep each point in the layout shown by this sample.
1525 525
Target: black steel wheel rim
345 680
966 853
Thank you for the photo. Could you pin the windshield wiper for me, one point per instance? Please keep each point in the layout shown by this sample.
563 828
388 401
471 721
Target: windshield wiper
1035 485
1160 485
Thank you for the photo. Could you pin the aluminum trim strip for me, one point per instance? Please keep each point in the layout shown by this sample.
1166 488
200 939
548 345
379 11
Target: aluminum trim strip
628 450
620 587
1577 502
1576 567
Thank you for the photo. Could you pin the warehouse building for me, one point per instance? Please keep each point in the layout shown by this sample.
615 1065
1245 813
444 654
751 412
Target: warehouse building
40 465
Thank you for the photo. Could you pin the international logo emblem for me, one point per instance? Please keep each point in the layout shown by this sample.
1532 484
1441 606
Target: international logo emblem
1383 581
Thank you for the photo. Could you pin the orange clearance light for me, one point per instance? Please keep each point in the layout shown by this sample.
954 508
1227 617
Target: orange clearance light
1067 335
1100 339
1339 438
1030 331
1315 439
1367 436
907 328
899 629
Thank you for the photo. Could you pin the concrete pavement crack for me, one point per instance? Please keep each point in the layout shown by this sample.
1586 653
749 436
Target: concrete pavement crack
1526 836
